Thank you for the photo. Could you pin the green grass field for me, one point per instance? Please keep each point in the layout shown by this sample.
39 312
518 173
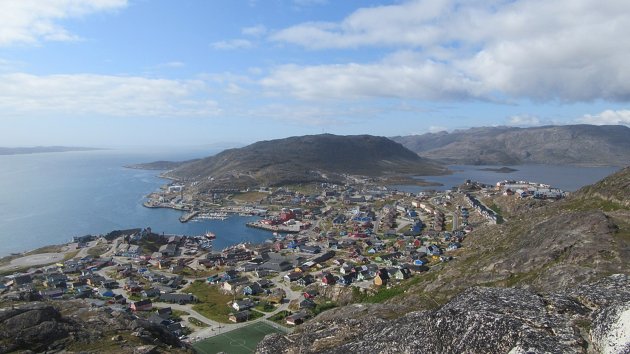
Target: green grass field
238 341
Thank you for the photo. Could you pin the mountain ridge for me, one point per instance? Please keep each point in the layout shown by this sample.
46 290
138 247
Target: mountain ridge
310 158
606 145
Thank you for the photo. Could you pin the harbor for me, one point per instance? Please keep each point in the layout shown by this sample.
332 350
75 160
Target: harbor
188 216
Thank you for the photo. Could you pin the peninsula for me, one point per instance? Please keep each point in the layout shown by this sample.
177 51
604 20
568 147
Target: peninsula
206 187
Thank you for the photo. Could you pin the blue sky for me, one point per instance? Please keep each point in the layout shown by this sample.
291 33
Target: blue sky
196 72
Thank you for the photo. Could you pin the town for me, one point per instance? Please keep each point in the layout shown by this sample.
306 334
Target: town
329 245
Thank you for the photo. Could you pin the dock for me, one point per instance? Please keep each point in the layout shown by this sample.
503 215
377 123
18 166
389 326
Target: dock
189 216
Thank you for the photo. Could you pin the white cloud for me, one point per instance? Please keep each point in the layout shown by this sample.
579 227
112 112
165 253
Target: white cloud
32 21
422 80
172 64
565 50
232 44
407 23
234 89
523 120
86 94
254 31
621 117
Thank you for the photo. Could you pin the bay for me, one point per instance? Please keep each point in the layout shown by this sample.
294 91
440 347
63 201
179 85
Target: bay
48 198
567 178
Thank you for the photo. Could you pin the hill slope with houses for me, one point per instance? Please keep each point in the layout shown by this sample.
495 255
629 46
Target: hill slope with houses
554 278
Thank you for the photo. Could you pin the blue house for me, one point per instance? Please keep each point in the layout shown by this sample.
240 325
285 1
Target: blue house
104 292
252 289
453 246
419 262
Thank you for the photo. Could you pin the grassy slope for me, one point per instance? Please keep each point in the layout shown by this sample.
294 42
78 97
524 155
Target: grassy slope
565 243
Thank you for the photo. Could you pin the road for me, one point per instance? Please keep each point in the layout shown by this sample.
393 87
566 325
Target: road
214 328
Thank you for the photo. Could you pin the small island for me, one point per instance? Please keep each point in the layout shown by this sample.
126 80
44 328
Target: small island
498 170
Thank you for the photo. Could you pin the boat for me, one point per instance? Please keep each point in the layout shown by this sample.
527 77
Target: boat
210 235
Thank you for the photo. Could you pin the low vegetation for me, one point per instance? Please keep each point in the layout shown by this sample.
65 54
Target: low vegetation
264 306
213 304
98 250
195 322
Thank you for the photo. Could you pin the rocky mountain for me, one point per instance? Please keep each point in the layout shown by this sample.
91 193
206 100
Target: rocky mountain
306 159
75 326
607 145
590 318
541 282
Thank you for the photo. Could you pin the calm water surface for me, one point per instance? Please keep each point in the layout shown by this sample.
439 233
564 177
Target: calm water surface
568 178
48 198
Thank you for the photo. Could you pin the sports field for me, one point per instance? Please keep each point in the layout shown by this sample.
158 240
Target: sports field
242 340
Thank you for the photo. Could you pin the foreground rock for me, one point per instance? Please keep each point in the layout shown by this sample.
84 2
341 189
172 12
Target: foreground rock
76 326
589 318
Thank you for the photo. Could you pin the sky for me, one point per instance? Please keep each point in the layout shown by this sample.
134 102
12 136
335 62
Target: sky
201 72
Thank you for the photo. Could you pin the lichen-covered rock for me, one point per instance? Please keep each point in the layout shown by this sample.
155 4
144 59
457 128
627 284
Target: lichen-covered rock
610 331
480 320
64 325
34 326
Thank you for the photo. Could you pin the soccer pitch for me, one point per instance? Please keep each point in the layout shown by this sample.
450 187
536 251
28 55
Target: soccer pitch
238 341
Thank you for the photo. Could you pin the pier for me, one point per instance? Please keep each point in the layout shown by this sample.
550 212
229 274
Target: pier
188 217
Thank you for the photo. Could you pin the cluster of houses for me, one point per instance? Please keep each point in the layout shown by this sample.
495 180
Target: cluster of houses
525 189
70 279
360 246
486 212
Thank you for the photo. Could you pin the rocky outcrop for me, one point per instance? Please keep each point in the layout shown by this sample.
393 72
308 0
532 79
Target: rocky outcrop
76 325
337 294
33 326
590 318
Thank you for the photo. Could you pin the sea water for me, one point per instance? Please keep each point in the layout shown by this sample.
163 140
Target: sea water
48 198
567 178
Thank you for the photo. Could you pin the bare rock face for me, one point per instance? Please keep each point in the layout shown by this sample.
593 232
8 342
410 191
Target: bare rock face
33 327
60 325
590 318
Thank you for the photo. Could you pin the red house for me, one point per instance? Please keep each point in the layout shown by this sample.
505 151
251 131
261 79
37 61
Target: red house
142 305
328 279
286 216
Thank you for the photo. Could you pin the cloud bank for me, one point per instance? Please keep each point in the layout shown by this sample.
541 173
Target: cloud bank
564 50
32 21
88 94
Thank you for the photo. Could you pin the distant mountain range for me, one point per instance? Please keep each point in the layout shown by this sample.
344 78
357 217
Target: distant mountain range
606 145
41 149
306 159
